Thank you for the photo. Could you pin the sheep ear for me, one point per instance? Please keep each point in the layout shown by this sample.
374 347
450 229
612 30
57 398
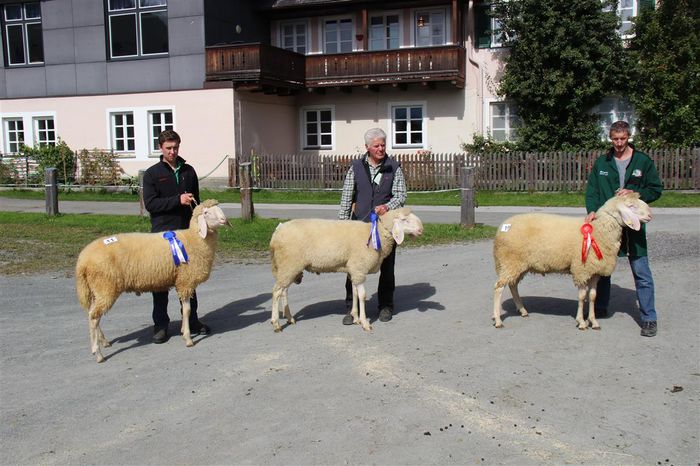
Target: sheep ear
397 231
630 218
202 224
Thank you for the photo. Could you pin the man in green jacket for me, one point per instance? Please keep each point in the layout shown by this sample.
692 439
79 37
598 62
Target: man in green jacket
623 170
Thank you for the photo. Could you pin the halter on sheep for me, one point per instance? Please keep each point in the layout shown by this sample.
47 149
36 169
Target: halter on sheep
544 243
143 262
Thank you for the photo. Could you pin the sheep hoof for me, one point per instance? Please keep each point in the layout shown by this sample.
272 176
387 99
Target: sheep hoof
99 358
276 327
107 344
498 324
188 341
595 326
583 326
292 321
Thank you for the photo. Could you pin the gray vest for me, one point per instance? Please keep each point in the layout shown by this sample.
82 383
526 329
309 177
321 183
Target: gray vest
368 195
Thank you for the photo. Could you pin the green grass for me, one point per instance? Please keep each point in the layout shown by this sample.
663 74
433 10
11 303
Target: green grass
36 243
449 198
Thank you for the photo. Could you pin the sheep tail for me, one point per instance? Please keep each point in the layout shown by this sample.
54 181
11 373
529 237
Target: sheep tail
82 289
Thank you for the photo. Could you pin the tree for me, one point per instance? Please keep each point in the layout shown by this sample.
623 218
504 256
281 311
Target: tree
564 58
666 53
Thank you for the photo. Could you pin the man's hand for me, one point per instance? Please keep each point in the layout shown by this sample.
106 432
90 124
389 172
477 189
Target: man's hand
381 209
589 218
186 198
623 191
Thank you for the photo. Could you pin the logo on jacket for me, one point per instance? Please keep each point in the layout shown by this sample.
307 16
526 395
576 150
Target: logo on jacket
637 172
603 173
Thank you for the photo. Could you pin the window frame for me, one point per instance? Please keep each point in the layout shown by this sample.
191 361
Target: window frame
385 29
622 109
113 144
512 122
295 36
37 132
19 138
153 144
137 11
24 22
424 127
446 36
304 129
338 20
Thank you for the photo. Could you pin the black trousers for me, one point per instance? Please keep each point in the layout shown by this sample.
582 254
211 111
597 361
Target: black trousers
385 288
160 309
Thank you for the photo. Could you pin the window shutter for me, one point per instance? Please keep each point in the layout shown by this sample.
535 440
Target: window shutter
644 4
482 26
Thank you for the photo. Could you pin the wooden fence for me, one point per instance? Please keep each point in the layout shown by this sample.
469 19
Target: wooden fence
679 169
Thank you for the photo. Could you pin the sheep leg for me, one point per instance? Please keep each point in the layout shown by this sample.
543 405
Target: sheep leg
361 295
592 293
516 298
287 313
186 335
497 292
277 291
354 310
582 323
94 325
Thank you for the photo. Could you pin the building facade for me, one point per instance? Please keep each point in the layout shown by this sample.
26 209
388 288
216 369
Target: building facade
270 76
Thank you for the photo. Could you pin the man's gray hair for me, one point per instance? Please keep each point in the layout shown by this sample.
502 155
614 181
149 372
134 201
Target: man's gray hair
374 133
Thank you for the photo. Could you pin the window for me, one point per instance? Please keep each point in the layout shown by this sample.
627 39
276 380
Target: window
123 139
503 121
338 35
137 27
407 125
293 37
430 28
318 128
384 32
497 36
626 10
23 37
613 109
44 132
159 121
14 135
488 29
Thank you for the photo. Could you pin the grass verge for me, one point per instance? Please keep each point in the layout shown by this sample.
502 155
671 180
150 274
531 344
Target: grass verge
448 198
36 243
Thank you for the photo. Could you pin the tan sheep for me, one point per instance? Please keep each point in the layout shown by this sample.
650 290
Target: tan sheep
143 262
322 246
545 243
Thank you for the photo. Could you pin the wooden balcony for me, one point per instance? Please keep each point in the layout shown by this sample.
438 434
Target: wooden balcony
256 66
429 64
270 69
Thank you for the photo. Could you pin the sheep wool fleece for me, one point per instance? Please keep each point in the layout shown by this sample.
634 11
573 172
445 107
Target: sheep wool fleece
641 176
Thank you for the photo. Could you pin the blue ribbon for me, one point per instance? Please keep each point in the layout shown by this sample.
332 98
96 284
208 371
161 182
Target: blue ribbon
176 247
374 233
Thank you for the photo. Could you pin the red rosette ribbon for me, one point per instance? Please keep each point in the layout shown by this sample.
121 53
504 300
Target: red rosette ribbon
588 241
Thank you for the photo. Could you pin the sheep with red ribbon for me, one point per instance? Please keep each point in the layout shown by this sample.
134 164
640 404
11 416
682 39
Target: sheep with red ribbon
547 243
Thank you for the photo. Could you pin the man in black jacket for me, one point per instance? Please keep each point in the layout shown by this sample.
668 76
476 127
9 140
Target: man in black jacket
170 192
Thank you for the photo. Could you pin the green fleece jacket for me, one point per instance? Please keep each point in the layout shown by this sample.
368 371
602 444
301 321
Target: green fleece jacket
641 176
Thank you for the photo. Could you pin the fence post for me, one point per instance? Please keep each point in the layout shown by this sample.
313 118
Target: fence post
232 172
51 189
246 181
467 189
142 206
695 160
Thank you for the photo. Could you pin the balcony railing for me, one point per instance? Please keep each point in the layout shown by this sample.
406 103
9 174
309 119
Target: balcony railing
444 63
255 64
263 66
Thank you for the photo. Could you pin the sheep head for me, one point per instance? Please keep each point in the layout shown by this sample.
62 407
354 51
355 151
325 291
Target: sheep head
402 222
633 211
209 216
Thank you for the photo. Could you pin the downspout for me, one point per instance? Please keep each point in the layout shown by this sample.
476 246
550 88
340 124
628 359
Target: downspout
480 74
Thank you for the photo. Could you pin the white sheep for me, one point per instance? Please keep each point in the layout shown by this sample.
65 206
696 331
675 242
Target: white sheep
143 262
545 243
322 246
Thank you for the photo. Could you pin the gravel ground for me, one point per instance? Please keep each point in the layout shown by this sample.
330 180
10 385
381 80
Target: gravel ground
436 385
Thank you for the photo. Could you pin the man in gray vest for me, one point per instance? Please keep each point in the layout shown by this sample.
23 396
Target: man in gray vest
376 183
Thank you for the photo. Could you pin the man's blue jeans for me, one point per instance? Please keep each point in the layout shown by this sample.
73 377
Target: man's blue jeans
644 283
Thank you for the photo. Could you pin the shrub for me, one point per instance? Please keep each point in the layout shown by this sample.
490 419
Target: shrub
58 156
99 167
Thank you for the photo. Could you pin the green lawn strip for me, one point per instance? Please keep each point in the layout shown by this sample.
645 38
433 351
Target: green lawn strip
446 198
35 243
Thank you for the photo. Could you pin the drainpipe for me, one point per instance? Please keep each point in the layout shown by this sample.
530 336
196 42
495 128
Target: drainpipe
480 74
